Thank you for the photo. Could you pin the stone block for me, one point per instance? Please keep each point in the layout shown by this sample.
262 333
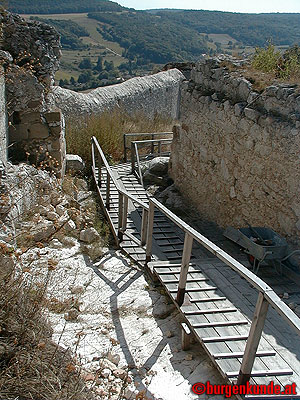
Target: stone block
74 163
238 109
53 116
55 130
30 117
38 131
17 133
34 103
251 114
55 144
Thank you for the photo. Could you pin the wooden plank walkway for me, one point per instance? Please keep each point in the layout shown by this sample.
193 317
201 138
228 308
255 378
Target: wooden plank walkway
218 305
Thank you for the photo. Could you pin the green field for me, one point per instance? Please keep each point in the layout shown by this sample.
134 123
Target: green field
98 46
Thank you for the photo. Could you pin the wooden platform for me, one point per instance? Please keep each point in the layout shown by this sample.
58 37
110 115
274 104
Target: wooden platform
218 304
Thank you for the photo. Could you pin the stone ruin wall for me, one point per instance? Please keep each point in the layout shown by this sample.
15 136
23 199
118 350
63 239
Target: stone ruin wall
30 53
151 95
236 152
3 124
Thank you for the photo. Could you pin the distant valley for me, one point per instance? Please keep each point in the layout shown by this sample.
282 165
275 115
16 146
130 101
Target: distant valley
105 43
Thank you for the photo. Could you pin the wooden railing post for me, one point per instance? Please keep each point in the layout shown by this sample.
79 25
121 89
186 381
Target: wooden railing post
99 170
132 158
144 227
149 232
186 256
255 333
120 217
152 145
107 191
125 148
159 147
125 213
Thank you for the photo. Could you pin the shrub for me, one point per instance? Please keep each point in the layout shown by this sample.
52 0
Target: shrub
266 59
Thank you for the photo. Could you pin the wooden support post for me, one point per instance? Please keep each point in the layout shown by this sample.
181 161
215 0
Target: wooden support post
152 145
186 256
125 148
186 336
144 227
99 170
107 191
256 329
120 217
149 232
125 213
159 147
93 158
132 159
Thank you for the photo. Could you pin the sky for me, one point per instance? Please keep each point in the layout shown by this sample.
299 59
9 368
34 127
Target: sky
253 6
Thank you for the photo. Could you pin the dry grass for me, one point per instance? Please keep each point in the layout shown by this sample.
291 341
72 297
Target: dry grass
31 365
108 128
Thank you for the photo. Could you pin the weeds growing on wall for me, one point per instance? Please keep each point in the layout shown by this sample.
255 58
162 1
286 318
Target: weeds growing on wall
108 128
283 66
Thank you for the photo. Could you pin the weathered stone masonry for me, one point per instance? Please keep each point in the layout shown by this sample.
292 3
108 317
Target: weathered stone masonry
3 138
236 153
30 53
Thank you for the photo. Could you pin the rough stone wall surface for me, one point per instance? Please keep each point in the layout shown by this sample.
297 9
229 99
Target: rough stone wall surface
3 137
152 94
236 153
30 52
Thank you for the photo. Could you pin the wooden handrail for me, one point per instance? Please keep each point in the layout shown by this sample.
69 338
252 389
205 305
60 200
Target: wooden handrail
266 295
125 135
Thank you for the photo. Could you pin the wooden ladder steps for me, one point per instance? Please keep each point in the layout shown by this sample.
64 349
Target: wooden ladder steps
165 237
220 323
187 290
188 280
215 339
207 299
178 257
240 354
210 311
172 250
262 373
170 244
175 265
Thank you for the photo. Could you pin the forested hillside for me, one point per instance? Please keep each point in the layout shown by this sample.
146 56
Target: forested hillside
248 29
62 7
150 37
70 32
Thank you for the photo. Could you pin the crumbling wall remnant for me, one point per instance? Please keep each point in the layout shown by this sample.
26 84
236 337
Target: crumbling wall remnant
236 152
3 123
30 52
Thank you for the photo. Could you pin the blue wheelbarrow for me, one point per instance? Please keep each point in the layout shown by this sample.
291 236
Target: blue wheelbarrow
262 245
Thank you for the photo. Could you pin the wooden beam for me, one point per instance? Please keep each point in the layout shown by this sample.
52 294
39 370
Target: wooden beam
207 299
193 289
107 201
120 217
144 227
220 323
214 339
186 336
256 329
241 354
149 233
270 372
210 311
185 262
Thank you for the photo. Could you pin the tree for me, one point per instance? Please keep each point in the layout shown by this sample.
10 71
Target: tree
85 63
99 65
72 80
85 77
109 65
